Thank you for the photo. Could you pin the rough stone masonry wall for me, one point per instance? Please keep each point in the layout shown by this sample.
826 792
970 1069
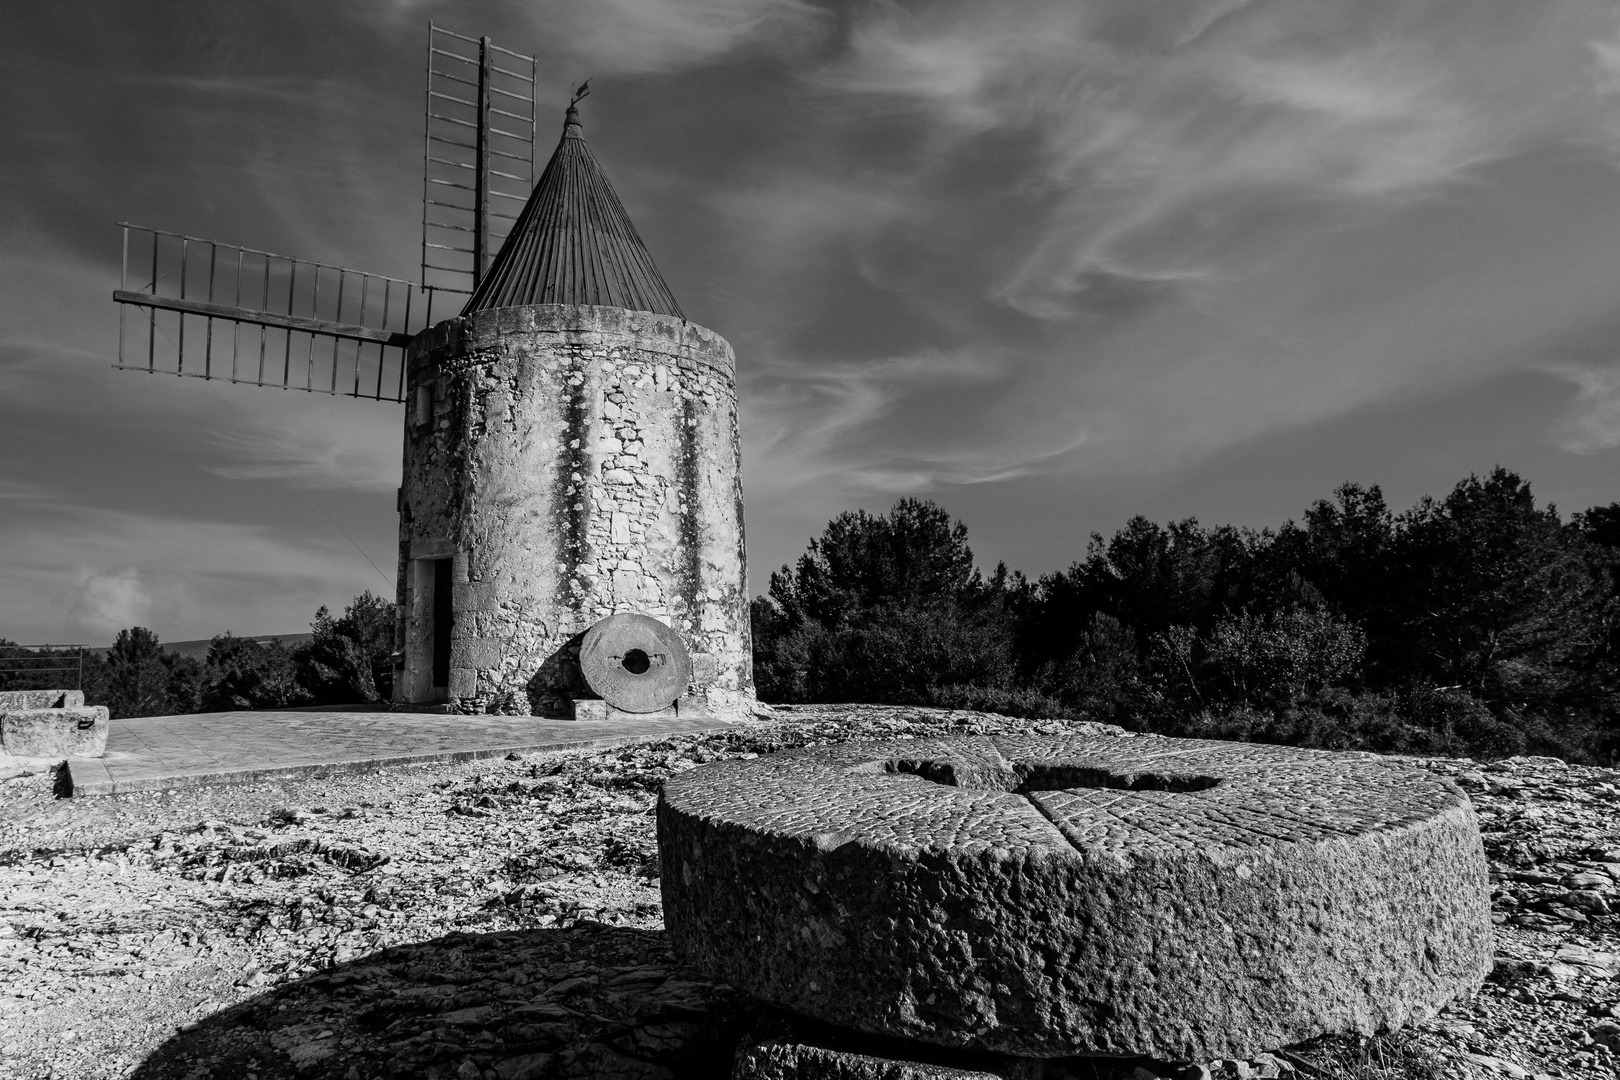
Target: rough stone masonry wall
573 462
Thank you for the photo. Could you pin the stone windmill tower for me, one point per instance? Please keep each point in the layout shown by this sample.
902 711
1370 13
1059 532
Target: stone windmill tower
571 536
571 453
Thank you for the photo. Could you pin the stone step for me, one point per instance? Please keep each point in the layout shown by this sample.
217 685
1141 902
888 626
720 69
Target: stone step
596 709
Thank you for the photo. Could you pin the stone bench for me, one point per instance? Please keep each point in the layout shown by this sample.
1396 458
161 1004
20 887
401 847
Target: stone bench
1041 897
51 724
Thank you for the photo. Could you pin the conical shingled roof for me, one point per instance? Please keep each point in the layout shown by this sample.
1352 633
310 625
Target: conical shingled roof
573 243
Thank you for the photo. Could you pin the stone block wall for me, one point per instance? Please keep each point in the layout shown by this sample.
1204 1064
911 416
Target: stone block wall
570 462
51 724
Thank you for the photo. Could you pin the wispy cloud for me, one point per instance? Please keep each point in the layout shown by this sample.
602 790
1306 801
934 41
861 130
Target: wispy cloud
635 37
49 291
806 422
75 572
1607 55
1149 121
856 427
1236 219
304 439
1592 422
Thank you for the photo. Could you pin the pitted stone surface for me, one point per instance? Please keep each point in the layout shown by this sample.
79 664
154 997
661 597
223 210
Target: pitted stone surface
1179 899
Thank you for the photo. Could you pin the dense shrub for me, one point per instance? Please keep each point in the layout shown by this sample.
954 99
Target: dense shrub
885 609
1474 624
350 658
242 674
138 678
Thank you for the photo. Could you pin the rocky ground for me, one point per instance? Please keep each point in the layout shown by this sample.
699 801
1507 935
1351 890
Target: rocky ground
501 920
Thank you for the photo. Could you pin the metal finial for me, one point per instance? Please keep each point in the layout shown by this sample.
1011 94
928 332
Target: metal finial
572 128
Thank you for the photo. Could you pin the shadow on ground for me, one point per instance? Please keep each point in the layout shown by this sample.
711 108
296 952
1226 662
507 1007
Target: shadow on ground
543 1004
587 1001
557 1004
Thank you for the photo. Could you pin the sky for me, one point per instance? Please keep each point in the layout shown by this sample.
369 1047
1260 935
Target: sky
1050 263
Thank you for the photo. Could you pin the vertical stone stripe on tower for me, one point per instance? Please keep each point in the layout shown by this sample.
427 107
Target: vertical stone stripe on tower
688 466
573 496
745 627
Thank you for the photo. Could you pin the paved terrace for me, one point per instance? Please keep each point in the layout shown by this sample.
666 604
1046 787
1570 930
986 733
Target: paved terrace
160 752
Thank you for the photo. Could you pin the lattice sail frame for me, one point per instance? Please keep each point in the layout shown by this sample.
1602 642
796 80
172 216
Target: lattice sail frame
349 341
472 191
317 327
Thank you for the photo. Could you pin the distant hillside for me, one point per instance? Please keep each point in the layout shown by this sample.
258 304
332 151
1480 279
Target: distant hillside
199 648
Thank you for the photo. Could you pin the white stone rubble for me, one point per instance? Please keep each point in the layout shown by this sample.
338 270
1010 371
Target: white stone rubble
501 920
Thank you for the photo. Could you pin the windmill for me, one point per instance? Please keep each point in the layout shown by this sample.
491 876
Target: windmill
571 534
213 310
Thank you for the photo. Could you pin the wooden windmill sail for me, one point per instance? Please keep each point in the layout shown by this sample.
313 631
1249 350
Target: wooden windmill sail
212 310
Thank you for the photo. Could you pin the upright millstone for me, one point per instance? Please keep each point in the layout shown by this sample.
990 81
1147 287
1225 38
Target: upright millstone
572 452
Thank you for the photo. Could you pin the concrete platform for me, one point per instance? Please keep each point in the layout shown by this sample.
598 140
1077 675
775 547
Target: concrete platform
160 752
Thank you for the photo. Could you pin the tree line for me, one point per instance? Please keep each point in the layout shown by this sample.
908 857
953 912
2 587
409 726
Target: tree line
346 661
1477 624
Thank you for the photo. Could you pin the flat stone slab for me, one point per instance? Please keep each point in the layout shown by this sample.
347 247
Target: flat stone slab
1047 896
160 752
40 699
77 731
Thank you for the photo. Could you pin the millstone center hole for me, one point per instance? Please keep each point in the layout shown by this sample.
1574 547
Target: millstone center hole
636 662
1022 778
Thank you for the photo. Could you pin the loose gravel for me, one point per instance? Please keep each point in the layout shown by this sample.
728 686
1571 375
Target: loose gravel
501 921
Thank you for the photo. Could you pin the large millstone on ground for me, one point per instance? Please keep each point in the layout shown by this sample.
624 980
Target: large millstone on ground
1047 896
